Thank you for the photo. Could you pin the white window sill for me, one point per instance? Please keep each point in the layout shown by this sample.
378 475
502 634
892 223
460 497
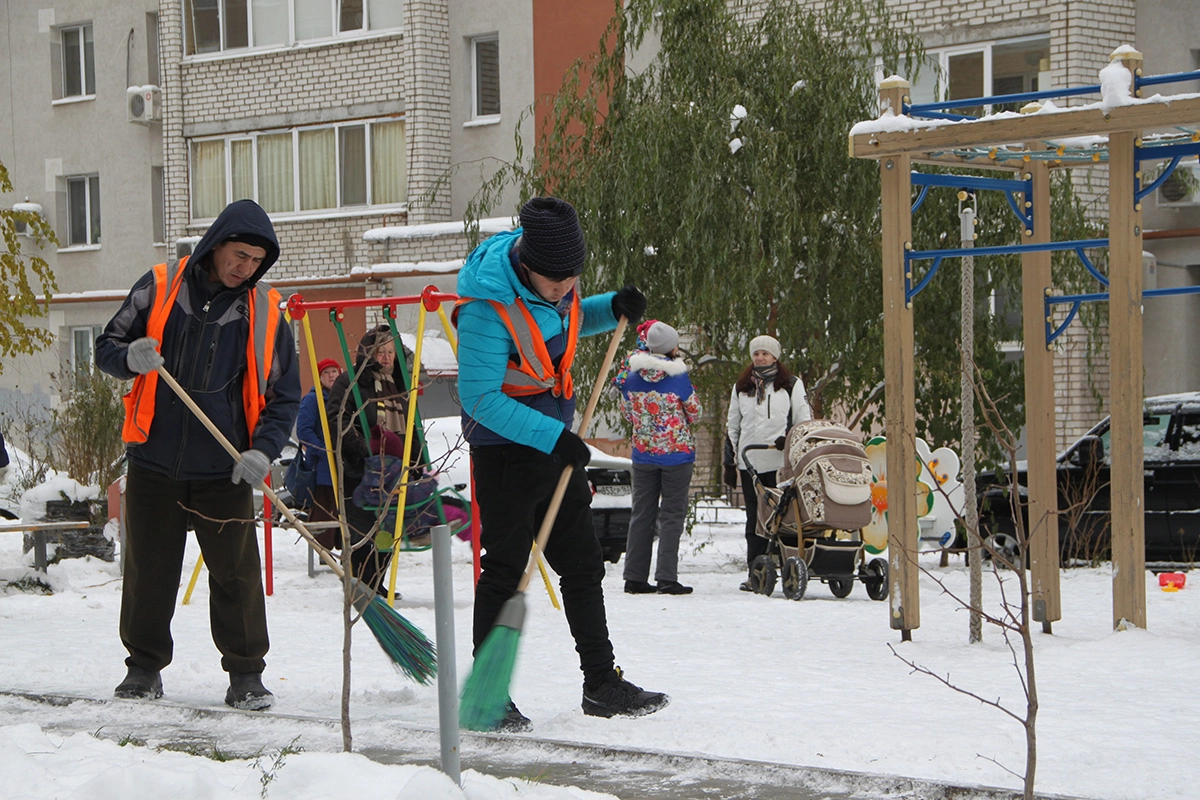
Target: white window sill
480 122
79 248
66 101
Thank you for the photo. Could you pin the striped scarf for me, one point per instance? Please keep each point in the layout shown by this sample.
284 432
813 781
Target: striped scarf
763 376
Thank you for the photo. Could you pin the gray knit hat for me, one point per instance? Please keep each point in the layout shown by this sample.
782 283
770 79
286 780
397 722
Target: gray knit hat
551 239
662 339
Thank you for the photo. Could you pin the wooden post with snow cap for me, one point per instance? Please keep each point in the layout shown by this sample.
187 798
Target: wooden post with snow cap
1043 560
1126 389
899 399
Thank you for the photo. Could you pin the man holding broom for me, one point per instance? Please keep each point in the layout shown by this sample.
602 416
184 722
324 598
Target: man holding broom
518 323
220 333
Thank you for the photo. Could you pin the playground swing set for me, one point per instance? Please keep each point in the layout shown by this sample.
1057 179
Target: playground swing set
399 537
1042 137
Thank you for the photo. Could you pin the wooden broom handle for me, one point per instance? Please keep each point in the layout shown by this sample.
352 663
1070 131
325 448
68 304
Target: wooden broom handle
560 491
325 555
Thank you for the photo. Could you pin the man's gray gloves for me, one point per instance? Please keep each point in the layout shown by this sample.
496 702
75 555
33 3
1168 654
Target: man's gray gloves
142 355
252 467
571 451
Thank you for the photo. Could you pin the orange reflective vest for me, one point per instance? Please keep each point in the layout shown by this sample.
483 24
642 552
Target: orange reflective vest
534 371
263 304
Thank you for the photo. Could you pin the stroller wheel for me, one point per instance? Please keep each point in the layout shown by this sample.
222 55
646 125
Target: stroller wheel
795 578
762 575
876 579
841 587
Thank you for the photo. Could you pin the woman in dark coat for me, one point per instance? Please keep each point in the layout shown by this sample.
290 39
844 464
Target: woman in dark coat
379 375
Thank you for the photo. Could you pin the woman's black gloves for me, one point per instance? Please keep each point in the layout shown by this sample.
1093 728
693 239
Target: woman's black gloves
571 451
731 476
629 303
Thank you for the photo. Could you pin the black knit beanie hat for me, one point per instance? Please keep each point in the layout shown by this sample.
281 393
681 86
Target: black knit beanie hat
551 239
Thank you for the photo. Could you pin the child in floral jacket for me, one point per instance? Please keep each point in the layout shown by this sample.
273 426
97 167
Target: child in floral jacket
658 399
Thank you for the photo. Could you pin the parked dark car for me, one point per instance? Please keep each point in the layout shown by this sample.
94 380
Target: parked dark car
611 479
1171 449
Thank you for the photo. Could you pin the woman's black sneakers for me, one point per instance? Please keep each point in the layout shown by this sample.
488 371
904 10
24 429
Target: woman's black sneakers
616 696
513 721
639 587
673 587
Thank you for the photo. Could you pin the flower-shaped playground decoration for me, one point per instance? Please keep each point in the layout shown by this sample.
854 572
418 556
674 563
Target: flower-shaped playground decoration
939 469
875 534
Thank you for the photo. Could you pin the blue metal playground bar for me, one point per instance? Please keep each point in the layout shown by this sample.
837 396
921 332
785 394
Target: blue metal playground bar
1078 245
1158 80
930 110
1078 299
1007 185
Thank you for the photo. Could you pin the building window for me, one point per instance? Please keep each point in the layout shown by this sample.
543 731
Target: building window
984 69
213 26
485 77
304 169
152 74
78 61
158 205
83 210
83 347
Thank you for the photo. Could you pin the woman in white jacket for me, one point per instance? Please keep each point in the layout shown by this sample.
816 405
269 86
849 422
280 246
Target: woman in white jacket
767 400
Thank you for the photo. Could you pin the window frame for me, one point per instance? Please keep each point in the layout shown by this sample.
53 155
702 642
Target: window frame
370 206
477 115
941 57
290 36
91 211
93 331
86 55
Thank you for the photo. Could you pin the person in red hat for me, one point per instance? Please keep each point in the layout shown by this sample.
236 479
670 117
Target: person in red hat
323 504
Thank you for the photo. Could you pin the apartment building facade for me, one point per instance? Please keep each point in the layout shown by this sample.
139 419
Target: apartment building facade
339 117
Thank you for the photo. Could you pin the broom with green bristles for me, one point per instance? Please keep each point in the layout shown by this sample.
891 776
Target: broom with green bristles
405 644
485 695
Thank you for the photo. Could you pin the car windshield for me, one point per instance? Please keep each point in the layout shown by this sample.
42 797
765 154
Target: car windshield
1154 438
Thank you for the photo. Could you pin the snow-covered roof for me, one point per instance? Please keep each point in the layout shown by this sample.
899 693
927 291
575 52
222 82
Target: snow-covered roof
432 229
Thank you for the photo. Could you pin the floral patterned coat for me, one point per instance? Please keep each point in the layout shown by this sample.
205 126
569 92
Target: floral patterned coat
658 398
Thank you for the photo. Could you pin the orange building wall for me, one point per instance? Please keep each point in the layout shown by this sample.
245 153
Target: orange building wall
563 30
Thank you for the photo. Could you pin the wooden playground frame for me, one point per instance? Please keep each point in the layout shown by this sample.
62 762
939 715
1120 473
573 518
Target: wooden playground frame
986 143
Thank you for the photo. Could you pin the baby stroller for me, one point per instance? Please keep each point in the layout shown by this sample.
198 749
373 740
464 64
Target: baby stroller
813 520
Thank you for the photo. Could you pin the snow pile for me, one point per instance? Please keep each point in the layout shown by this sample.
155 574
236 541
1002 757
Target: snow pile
45 766
57 486
1115 83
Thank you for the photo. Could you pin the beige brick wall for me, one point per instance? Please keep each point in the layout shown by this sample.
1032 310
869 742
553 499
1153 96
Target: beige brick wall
399 74
427 90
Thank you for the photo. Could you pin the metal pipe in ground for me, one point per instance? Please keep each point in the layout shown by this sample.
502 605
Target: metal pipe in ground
447 675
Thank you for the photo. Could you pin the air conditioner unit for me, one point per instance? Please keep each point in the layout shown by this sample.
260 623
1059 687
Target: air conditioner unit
144 104
1182 188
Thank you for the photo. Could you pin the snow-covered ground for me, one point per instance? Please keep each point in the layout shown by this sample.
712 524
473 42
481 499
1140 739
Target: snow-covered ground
812 683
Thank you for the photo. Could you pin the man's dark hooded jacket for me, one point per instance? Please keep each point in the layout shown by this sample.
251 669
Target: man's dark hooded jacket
204 348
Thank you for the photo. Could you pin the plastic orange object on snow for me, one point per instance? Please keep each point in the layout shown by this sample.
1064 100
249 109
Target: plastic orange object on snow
1172 581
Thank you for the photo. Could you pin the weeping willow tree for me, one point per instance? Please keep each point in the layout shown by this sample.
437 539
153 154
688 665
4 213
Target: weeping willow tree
717 180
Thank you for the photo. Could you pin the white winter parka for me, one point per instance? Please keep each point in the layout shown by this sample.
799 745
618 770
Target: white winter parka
752 422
